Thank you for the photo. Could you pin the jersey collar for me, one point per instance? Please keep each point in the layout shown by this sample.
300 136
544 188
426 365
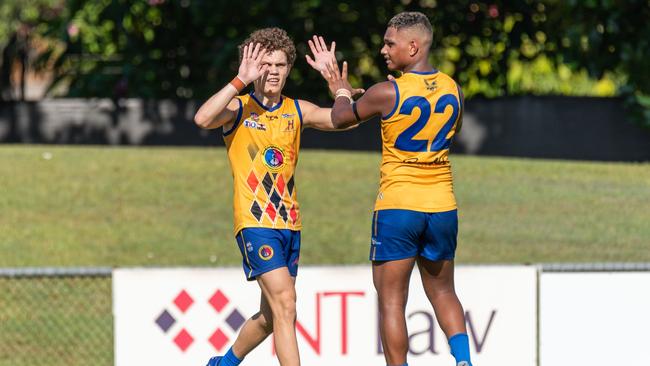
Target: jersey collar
434 71
252 94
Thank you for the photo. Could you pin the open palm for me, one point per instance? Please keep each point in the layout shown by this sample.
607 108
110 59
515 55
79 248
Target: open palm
322 56
251 67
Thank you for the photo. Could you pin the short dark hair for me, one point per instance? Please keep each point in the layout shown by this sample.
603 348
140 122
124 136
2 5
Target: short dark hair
273 39
412 19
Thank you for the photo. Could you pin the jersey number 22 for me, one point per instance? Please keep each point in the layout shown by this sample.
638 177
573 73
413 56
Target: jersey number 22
405 141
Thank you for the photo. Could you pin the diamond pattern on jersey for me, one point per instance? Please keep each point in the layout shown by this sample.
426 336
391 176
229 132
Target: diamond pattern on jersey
276 199
293 213
279 185
283 213
256 210
270 210
269 199
252 181
268 183
252 151
290 185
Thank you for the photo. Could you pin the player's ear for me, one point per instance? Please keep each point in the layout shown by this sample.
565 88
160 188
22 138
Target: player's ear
413 47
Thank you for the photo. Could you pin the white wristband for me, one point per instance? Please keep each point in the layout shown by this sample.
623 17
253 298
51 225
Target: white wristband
343 93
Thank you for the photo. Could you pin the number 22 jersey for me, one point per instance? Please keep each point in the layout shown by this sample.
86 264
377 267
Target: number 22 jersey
416 135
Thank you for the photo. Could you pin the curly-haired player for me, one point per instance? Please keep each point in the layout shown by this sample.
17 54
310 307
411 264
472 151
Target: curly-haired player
415 218
262 134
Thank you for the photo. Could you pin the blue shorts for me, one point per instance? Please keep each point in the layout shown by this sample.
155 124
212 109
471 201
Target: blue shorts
264 250
399 234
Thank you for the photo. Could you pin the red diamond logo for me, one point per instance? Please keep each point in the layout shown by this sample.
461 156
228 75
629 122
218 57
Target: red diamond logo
183 301
183 340
218 340
218 301
280 184
252 181
270 210
293 213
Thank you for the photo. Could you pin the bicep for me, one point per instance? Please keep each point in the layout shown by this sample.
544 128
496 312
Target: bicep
315 116
226 117
379 100
229 115
321 119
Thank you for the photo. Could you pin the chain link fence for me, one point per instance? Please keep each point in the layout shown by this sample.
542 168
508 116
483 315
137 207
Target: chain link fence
56 317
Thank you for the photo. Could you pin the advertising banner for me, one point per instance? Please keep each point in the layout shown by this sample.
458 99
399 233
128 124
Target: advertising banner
595 319
185 316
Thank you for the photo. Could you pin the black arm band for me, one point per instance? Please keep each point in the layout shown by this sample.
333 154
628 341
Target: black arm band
354 110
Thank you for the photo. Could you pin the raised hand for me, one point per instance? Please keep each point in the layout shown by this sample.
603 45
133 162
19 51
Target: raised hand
251 67
322 56
337 80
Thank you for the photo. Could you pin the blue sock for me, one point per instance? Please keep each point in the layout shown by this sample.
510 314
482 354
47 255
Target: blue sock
229 359
459 344
406 364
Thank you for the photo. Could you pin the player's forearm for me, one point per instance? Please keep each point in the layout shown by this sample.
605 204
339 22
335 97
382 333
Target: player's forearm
208 115
342 114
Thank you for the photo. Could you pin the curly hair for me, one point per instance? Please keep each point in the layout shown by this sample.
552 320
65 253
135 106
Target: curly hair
273 39
414 19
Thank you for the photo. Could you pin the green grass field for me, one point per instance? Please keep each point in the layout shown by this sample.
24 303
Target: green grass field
102 206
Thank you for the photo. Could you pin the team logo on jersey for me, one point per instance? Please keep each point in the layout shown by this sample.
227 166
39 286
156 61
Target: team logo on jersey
273 158
255 125
431 86
290 126
265 252
254 122
249 247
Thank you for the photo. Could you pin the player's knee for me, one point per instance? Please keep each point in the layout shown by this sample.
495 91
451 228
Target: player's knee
283 306
443 289
392 298
391 304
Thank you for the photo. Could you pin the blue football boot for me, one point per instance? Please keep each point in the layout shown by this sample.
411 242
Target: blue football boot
214 361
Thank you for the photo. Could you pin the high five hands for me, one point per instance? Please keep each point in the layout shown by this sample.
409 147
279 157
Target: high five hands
324 61
322 56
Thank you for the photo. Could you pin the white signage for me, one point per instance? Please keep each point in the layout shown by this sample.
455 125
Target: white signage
185 316
595 319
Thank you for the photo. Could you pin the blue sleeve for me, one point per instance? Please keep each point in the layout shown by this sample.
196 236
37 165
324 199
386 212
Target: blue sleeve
299 112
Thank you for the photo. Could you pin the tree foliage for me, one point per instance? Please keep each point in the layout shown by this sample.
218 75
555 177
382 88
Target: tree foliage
187 48
18 21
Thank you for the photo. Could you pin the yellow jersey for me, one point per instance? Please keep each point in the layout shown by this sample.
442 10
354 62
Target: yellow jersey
262 147
416 135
